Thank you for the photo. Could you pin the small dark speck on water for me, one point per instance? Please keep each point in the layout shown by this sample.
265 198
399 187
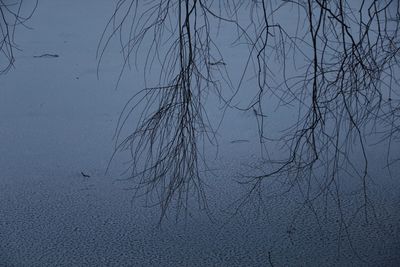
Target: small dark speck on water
239 141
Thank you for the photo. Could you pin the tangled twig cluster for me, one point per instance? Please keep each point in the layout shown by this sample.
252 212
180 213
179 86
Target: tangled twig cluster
10 18
338 72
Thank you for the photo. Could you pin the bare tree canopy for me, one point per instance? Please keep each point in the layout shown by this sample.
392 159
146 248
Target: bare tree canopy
334 63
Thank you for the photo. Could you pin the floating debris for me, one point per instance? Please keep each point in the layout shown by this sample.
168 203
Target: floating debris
47 56
239 141
85 175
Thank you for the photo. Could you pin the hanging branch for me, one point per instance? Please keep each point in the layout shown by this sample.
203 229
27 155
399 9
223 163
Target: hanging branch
10 18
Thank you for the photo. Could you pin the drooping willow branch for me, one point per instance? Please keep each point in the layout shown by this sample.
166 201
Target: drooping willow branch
166 157
344 87
10 18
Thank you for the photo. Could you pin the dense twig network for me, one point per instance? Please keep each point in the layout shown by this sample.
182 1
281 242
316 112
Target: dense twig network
166 158
337 71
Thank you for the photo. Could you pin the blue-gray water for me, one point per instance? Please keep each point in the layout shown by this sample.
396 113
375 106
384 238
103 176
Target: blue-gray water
57 119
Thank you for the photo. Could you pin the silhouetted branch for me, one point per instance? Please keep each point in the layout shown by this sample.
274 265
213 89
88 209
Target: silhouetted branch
10 18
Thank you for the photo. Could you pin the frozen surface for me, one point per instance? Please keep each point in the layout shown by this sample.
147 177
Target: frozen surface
57 119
